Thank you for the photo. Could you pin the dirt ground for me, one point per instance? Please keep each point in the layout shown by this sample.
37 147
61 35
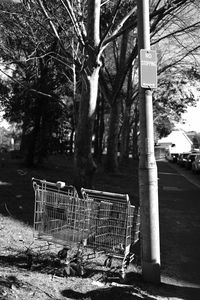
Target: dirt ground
43 278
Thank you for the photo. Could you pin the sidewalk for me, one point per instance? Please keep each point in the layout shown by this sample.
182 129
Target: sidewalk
193 178
179 204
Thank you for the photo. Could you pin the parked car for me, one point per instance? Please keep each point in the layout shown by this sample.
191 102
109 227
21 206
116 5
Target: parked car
190 158
179 159
196 164
182 159
172 157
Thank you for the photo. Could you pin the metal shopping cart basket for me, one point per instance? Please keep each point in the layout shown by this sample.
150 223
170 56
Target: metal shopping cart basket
62 217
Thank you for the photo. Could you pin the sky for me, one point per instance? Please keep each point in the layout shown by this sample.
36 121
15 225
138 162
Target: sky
4 124
191 119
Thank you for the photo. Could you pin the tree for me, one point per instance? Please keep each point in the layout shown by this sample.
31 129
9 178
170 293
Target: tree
163 15
123 64
36 96
130 117
84 164
173 97
61 22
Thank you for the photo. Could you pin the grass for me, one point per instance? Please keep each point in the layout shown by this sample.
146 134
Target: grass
17 193
20 281
17 235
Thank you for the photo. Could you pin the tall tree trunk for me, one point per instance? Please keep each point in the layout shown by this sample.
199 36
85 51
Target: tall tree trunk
30 156
45 111
96 131
113 132
135 151
84 164
99 130
45 131
25 139
112 142
125 134
71 141
25 136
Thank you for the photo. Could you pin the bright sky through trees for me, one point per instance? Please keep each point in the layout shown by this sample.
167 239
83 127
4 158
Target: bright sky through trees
191 119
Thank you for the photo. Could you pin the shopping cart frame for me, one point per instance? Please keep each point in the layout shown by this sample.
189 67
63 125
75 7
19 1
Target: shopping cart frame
106 225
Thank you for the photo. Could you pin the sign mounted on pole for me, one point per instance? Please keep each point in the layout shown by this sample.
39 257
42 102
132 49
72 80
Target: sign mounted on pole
148 69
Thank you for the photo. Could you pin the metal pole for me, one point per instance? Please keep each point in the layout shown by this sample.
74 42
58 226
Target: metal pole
148 185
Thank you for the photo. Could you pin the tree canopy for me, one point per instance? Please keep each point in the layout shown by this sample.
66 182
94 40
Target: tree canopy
74 68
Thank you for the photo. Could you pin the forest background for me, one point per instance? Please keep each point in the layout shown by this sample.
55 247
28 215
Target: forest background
70 80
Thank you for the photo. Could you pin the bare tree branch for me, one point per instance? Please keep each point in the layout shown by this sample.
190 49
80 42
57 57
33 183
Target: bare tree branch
32 90
117 31
190 27
40 3
111 23
175 62
75 23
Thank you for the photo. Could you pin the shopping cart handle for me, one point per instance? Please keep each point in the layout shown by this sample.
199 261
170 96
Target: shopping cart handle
58 184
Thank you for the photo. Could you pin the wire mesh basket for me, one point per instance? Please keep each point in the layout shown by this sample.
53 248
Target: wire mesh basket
62 217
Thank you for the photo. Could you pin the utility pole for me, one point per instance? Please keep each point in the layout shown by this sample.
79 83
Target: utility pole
148 182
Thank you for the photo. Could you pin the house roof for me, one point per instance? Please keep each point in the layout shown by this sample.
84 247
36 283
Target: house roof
174 136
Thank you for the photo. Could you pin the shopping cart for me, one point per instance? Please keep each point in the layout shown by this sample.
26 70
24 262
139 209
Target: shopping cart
62 217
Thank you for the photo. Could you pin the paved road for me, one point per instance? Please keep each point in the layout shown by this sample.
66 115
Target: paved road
179 201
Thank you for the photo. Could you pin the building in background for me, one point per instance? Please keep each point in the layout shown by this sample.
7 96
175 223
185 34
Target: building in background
175 143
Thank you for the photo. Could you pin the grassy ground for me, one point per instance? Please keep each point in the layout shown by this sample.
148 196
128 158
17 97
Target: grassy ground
17 193
17 244
17 236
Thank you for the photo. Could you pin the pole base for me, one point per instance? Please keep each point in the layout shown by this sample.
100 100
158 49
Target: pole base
151 272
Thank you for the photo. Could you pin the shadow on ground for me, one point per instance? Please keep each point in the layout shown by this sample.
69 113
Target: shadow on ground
133 288
138 290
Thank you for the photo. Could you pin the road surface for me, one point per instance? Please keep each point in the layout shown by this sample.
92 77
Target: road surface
179 206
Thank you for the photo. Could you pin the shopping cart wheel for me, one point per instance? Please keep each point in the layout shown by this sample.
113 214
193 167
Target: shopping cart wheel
67 271
123 279
62 254
108 261
73 269
29 260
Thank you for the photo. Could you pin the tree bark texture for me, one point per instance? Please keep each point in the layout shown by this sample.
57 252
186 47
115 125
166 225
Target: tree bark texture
125 134
135 150
30 156
112 142
113 132
99 130
84 164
